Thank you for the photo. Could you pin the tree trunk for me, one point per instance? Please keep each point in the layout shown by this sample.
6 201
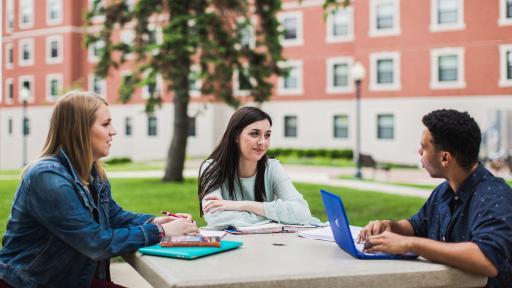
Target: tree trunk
178 147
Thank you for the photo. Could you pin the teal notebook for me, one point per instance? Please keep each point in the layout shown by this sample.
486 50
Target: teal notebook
188 252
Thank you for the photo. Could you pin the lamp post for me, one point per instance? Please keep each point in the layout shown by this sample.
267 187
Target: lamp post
358 73
24 95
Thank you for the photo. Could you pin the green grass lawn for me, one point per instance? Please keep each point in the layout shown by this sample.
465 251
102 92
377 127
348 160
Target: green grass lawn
152 195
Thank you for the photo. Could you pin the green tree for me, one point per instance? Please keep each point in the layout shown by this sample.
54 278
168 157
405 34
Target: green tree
208 33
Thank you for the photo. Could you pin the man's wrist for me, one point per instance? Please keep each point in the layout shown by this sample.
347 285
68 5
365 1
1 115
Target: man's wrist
160 229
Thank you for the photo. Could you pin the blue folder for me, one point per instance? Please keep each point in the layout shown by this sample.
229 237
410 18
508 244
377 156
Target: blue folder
188 252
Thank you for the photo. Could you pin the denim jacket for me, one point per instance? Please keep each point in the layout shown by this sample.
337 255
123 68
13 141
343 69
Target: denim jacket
52 239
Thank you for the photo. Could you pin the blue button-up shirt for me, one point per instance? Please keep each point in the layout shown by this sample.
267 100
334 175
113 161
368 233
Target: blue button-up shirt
480 212
52 239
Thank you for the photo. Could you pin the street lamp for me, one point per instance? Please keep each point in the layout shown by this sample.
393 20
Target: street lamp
358 73
25 95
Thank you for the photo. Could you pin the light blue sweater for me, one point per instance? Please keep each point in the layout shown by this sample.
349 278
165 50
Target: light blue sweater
284 204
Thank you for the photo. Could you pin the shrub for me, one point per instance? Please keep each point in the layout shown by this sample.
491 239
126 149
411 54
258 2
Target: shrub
118 160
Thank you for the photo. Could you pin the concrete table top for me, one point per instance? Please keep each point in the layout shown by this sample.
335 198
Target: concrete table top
295 262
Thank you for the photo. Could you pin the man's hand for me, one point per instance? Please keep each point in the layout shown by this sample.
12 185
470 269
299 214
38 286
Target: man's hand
165 219
180 226
388 242
373 228
216 204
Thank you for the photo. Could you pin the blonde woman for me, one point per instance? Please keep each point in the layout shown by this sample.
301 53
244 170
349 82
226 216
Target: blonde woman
64 225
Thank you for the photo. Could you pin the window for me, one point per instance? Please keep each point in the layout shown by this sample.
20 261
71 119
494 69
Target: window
53 86
9 90
26 13
340 127
338 75
25 129
9 126
505 13
385 71
291 24
127 37
130 4
99 16
26 52
95 50
247 34
128 126
291 82
385 126
98 85
447 68
9 16
290 126
242 82
9 56
194 81
53 12
340 25
191 132
384 18
152 126
447 15
26 82
505 65
54 49
152 88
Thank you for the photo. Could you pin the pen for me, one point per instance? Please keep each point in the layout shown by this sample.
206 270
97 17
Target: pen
171 214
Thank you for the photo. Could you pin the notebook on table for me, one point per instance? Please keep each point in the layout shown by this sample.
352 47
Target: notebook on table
188 252
342 232
268 228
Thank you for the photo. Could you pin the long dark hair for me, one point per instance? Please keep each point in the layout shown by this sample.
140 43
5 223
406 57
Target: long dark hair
222 165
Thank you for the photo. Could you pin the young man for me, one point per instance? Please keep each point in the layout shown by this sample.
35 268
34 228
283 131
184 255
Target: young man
467 220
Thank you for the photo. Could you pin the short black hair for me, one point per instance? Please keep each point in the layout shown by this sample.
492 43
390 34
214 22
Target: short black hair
455 132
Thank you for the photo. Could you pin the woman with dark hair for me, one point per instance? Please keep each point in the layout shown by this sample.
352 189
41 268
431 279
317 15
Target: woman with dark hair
240 186
64 225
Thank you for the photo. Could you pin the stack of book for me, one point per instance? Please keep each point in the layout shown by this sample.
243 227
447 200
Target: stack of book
190 241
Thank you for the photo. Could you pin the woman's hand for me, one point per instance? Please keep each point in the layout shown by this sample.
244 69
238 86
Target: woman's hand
216 204
179 226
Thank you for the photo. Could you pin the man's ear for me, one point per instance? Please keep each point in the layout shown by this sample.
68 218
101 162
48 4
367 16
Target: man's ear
446 158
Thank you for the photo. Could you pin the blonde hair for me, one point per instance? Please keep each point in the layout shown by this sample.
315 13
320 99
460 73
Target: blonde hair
70 129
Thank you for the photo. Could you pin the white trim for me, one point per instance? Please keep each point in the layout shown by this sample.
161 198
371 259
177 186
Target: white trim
30 43
396 85
195 69
395 30
98 18
60 48
9 81
394 126
288 5
9 16
504 82
128 37
20 10
90 51
331 89
22 79
343 12
158 88
9 47
298 15
503 20
434 68
299 90
436 27
48 31
252 30
103 85
236 84
333 126
50 21
49 78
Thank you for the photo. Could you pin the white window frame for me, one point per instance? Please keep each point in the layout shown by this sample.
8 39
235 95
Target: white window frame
103 85
394 126
280 81
331 38
236 84
397 82
503 20
395 30
20 12
50 21
196 69
9 16
21 43
158 88
90 55
9 81
9 48
22 79
252 31
128 37
97 18
434 68
49 40
300 28
333 121
49 78
435 27
504 82
331 89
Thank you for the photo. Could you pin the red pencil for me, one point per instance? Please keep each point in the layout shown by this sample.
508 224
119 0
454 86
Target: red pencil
167 213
